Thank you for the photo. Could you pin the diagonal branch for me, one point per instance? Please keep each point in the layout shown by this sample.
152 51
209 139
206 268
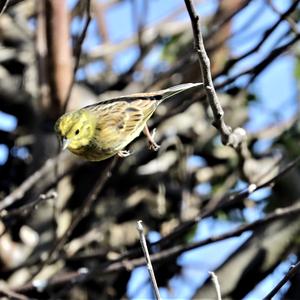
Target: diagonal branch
225 203
233 61
80 214
3 6
77 53
286 17
140 229
292 272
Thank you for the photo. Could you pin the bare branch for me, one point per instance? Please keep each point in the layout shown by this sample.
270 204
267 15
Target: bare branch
254 71
238 136
288 18
20 191
27 208
140 229
216 284
292 272
232 62
3 6
77 53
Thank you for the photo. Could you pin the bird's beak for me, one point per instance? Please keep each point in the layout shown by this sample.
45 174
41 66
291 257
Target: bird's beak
65 143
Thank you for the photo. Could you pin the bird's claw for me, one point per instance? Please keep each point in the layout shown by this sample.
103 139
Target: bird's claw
151 141
123 153
153 146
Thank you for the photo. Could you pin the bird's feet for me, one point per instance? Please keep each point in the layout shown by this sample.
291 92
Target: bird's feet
123 153
151 142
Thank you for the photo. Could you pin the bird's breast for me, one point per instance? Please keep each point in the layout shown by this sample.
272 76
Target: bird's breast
94 152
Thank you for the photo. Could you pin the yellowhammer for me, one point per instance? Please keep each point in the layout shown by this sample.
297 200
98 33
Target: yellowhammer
101 130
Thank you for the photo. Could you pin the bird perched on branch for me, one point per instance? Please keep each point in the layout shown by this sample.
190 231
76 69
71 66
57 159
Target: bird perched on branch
101 130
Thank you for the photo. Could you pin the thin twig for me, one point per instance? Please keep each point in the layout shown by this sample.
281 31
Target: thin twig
238 136
227 19
42 53
292 272
265 36
99 9
4 7
140 229
20 191
291 22
216 284
139 20
254 71
27 208
77 52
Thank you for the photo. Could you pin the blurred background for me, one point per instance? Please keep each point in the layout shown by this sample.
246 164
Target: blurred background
68 226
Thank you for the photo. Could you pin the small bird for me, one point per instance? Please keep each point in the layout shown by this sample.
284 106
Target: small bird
101 130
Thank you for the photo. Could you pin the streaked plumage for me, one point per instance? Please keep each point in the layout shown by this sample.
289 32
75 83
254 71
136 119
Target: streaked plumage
101 130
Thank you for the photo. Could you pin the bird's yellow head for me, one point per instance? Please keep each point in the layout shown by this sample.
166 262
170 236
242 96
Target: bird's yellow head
76 130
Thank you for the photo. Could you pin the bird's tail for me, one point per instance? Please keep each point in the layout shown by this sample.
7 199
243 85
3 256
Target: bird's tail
174 90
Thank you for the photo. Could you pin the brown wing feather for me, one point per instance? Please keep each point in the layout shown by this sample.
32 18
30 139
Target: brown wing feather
119 122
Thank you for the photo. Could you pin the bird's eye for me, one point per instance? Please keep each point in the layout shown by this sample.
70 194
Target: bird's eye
77 131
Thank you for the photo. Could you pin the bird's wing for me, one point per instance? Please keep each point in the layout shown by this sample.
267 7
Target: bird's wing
121 120
157 96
